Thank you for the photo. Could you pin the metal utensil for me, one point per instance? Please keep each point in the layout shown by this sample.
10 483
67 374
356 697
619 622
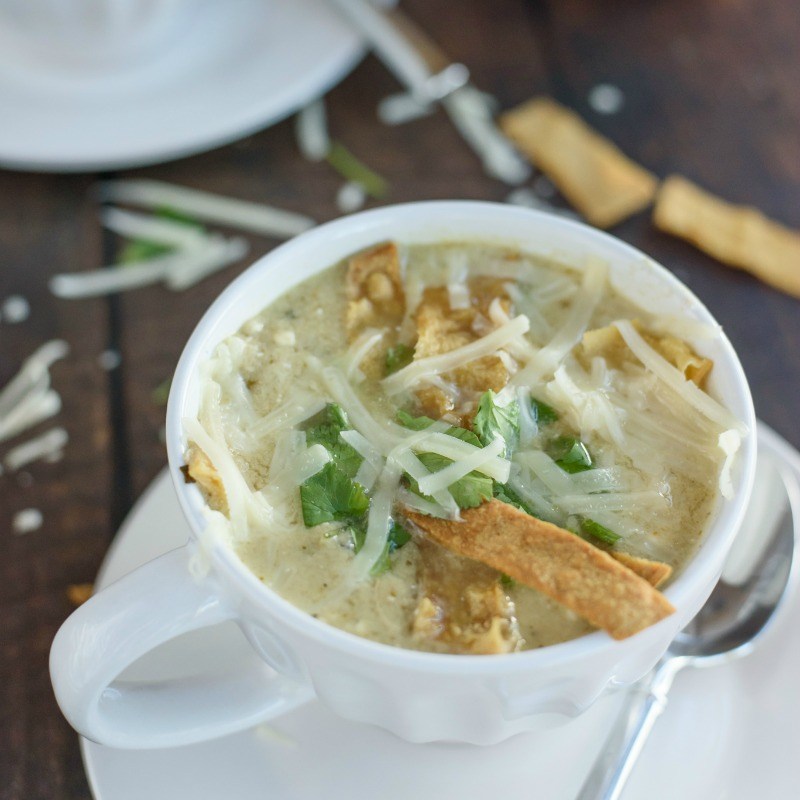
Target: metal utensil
729 626
431 79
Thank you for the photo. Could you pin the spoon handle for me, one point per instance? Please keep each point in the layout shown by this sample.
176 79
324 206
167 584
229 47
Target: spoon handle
641 708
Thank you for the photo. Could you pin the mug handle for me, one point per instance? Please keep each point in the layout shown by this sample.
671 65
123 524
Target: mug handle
153 604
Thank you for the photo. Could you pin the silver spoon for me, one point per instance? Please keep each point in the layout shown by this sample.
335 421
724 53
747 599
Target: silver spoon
728 626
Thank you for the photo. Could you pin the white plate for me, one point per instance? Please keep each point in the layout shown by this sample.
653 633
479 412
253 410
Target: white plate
727 732
232 68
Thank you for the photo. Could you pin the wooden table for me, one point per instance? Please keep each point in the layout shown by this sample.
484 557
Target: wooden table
711 91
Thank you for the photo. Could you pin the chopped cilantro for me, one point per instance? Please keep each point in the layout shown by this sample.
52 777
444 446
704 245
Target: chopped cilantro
143 250
398 536
506 581
599 531
398 357
160 394
468 492
325 429
570 454
414 423
542 413
331 495
508 495
351 169
493 420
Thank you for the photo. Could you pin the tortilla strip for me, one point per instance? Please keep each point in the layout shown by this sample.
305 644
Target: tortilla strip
591 172
654 572
79 593
608 343
739 236
554 561
462 605
374 288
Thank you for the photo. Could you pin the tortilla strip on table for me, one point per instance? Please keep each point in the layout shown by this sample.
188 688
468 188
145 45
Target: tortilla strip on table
608 343
554 561
739 236
591 172
374 289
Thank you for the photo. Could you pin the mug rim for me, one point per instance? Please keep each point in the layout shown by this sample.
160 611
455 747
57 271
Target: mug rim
707 559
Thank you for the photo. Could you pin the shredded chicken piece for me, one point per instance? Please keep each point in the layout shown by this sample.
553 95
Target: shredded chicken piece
462 605
441 329
200 469
608 343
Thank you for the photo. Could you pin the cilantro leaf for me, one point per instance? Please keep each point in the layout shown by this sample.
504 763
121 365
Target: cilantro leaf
543 414
143 249
570 454
331 495
505 493
599 531
325 429
466 436
506 581
468 492
398 357
398 536
493 420
413 423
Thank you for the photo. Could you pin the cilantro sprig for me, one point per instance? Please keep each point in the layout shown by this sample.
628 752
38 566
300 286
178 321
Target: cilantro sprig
332 495
398 357
493 419
469 491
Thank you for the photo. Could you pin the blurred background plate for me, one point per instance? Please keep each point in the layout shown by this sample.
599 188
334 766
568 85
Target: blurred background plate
217 72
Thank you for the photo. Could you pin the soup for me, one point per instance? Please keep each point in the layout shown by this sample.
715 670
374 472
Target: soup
462 448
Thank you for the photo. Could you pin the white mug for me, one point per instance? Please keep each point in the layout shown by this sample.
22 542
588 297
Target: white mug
419 696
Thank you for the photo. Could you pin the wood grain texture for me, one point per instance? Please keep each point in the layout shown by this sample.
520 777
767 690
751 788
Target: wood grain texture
710 91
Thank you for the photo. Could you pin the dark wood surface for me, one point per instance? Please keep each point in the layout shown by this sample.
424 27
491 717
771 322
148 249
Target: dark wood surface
711 90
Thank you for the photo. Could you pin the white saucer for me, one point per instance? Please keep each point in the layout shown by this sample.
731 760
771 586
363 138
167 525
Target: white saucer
232 68
727 732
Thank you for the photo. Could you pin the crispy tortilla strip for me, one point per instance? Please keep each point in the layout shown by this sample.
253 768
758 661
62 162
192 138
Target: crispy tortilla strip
554 561
608 343
462 605
591 172
654 572
374 288
736 235
200 469
441 329
79 593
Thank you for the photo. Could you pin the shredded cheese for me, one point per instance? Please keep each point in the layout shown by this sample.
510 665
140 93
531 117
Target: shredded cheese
458 469
359 350
729 442
406 378
676 380
378 521
546 361
253 217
